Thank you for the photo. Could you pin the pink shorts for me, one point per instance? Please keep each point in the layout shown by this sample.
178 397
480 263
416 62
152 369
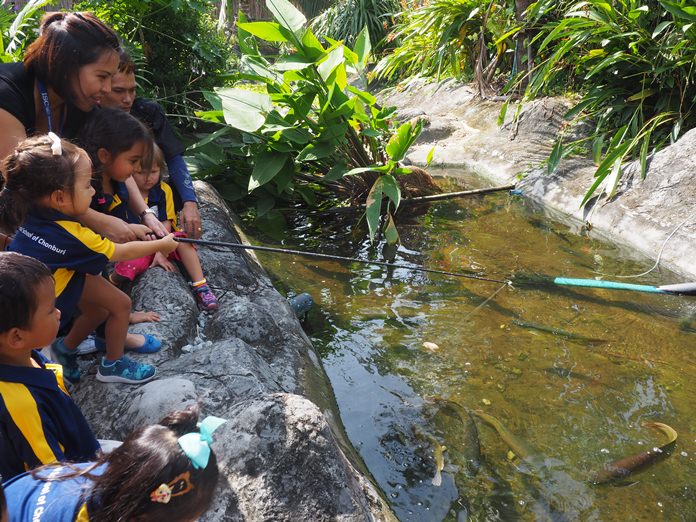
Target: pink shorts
133 268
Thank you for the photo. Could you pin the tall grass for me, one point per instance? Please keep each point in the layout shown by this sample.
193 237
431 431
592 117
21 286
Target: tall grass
446 38
633 63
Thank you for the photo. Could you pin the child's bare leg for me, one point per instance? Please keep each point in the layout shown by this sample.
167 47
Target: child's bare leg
189 257
99 293
91 316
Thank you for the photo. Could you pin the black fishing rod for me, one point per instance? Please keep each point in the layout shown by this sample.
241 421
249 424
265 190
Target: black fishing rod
537 281
319 255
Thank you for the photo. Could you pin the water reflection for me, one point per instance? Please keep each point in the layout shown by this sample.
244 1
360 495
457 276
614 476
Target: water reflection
574 373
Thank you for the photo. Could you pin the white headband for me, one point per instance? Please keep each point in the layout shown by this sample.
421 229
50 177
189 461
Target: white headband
56 147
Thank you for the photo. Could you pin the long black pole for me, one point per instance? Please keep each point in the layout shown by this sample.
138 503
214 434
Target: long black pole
241 246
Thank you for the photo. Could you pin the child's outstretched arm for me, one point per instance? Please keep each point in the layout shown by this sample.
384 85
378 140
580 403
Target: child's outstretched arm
136 249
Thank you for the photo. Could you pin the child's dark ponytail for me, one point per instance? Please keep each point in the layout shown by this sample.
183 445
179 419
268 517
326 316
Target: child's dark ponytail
13 206
32 172
150 463
150 477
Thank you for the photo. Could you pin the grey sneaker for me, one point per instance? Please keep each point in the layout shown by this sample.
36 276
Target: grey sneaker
87 346
125 370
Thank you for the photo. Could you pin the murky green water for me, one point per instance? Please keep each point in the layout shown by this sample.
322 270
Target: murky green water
573 373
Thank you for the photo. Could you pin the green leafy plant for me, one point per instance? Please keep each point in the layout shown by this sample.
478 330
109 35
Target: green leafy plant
307 133
446 38
346 18
633 62
17 30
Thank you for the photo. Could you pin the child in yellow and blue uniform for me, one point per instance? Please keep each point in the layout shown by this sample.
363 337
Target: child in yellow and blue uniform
159 198
47 185
165 471
39 422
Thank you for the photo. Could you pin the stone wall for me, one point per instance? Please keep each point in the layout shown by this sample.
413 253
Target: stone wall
645 215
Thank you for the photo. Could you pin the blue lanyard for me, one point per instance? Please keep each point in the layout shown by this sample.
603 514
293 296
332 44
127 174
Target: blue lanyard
47 107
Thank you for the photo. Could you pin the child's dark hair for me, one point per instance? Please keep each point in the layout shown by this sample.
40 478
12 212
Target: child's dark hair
68 41
32 172
115 131
19 277
149 457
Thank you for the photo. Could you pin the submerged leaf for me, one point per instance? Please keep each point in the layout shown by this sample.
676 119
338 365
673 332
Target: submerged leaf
374 207
391 234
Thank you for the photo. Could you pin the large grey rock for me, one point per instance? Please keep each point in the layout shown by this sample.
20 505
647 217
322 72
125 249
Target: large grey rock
646 215
281 460
247 362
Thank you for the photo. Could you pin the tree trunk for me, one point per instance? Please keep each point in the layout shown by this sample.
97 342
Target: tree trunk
524 56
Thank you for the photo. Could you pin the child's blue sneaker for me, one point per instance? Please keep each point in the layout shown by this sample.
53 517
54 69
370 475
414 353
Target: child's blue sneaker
125 370
151 345
67 359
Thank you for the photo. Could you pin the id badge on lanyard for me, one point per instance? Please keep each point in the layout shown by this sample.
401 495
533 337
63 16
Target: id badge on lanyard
47 108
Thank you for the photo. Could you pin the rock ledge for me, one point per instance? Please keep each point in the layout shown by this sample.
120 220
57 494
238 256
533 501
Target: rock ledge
247 362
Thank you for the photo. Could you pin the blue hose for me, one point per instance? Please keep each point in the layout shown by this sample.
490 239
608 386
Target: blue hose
611 285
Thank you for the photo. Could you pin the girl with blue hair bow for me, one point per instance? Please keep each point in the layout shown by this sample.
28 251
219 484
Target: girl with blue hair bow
165 471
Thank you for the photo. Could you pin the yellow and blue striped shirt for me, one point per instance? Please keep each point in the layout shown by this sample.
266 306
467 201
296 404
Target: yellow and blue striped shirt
69 249
39 421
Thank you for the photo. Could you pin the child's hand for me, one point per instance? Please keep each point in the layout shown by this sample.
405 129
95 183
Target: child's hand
167 245
144 317
161 260
142 232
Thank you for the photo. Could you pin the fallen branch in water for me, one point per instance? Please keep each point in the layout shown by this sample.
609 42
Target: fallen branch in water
429 199
460 194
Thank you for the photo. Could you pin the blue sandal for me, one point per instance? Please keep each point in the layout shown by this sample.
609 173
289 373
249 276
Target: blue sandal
151 345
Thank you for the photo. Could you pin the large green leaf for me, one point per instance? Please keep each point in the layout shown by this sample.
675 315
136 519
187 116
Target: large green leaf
266 166
286 14
373 206
244 110
311 46
402 140
316 151
269 31
391 234
391 189
291 63
333 60
680 11
363 46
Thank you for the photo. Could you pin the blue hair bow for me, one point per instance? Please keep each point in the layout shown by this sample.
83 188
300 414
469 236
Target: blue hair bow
196 445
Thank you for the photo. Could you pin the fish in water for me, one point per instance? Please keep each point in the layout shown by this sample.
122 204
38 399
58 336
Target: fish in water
438 452
518 447
570 336
622 468
471 447
561 496
439 457
567 373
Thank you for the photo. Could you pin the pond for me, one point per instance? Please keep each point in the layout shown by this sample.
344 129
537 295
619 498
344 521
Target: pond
571 373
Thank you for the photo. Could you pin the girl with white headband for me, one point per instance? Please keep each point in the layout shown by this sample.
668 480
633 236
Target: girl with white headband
47 186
